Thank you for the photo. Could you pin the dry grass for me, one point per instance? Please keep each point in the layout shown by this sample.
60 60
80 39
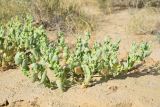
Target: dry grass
66 15
144 21
109 6
10 8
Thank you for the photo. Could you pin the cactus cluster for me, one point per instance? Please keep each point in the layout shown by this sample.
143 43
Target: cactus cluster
27 46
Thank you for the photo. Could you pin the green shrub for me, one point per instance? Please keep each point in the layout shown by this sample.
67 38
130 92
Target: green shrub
28 47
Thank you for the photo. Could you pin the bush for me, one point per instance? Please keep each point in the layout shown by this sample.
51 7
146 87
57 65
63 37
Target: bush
12 8
109 6
144 21
66 15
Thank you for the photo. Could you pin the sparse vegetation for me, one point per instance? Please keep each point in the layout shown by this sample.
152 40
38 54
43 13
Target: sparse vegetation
144 21
109 6
12 8
65 15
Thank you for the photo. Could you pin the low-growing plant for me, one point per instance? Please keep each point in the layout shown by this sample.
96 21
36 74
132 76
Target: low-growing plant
102 58
28 47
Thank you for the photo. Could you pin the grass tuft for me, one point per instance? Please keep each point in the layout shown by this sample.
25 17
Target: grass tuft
144 21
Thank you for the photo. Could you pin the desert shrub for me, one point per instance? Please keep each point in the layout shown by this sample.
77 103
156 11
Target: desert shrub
109 6
66 15
10 8
144 21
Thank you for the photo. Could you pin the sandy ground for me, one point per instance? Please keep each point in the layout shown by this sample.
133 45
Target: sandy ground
137 89
140 88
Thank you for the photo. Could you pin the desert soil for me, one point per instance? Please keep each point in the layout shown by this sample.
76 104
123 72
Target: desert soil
140 88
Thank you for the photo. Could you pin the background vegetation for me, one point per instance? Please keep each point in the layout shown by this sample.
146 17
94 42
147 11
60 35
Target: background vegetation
65 15
109 6
145 21
69 15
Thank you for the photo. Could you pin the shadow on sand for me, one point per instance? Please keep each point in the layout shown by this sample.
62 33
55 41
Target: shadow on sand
138 72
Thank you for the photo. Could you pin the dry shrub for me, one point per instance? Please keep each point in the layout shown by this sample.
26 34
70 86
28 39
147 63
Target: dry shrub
144 21
109 6
66 15
10 8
